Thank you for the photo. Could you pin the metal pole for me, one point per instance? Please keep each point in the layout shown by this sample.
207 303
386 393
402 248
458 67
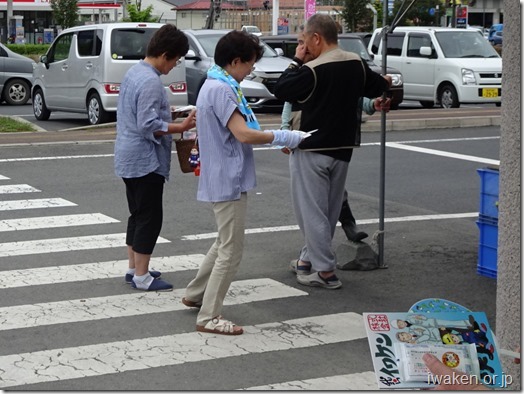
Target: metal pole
382 193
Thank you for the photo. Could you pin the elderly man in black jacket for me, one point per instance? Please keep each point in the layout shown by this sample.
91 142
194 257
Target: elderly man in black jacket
328 89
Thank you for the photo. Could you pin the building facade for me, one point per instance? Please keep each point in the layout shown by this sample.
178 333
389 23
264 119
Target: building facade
32 20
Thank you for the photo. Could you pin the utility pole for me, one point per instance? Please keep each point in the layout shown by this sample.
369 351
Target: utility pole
214 13
453 14
9 17
275 12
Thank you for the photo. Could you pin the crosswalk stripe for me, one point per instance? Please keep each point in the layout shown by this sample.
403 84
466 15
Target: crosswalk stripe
36 203
12 189
92 271
3 178
54 221
65 244
354 381
140 354
136 303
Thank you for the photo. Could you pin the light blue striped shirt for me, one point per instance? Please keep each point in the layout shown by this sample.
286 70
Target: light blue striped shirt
227 166
143 108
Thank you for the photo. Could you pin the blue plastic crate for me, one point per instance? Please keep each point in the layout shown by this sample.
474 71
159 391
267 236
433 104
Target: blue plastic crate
488 234
487 261
489 192
488 219
488 242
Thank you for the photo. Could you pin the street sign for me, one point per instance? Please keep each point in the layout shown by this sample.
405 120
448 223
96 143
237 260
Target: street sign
462 16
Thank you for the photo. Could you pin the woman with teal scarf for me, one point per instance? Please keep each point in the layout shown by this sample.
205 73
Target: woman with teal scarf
227 129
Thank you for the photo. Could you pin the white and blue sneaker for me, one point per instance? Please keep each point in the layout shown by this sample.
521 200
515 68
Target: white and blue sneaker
129 277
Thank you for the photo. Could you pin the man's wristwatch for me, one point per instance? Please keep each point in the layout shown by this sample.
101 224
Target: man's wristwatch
296 63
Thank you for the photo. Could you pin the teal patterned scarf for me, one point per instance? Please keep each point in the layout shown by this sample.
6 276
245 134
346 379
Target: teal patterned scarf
217 72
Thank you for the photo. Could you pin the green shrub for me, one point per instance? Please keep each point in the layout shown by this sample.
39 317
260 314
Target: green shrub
34 51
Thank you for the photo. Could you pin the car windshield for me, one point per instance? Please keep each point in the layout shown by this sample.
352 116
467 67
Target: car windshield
209 43
465 44
130 44
354 45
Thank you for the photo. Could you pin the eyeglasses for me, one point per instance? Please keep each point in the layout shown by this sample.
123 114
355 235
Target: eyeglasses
178 62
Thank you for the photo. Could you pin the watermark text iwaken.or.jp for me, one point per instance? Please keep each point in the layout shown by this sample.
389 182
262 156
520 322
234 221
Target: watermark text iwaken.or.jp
502 380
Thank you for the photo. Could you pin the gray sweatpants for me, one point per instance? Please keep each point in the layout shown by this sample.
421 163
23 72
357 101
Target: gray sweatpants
317 191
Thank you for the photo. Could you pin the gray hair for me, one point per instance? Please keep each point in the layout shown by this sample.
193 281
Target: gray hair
324 26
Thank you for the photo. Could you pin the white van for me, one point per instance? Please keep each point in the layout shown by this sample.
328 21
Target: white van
441 65
83 68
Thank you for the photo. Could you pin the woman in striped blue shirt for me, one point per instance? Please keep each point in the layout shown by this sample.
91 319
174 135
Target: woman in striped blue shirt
227 128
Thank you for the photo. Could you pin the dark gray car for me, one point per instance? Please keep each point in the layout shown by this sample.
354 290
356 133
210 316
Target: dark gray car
257 86
16 77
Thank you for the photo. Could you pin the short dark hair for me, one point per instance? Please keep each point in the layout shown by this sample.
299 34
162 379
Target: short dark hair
237 44
323 25
169 40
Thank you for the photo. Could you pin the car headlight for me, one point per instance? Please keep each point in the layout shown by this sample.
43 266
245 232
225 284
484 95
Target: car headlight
396 79
468 77
251 76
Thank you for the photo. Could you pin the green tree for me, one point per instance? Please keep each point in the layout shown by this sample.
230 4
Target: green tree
356 16
65 12
419 13
136 14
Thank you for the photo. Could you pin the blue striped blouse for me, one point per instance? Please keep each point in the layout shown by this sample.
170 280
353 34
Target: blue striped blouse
227 166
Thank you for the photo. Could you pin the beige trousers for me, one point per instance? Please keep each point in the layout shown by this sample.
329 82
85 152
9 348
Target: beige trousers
222 260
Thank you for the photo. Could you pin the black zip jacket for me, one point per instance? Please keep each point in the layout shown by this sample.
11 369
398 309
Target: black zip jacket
328 91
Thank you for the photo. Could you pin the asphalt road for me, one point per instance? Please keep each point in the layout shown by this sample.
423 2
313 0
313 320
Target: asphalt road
70 323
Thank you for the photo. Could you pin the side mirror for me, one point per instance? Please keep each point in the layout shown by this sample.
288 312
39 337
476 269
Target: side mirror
44 59
371 55
191 55
279 51
425 51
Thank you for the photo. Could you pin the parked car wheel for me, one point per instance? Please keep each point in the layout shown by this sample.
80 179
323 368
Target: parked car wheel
427 104
95 111
39 108
448 97
17 92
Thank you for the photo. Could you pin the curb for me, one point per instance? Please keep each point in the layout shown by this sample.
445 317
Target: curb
109 125
431 123
22 120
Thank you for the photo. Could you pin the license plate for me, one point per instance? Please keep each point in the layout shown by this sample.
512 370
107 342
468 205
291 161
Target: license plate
488 93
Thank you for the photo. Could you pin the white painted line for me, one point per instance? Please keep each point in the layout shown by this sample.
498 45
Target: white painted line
445 140
34 204
261 148
137 303
355 381
435 152
54 222
140 354
41 246
54 158
194 237
93 271
13 189
3 178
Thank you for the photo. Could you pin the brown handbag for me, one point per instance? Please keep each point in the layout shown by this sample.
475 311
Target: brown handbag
183 151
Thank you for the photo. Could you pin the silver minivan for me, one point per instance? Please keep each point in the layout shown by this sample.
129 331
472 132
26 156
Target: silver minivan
82 70
16 77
